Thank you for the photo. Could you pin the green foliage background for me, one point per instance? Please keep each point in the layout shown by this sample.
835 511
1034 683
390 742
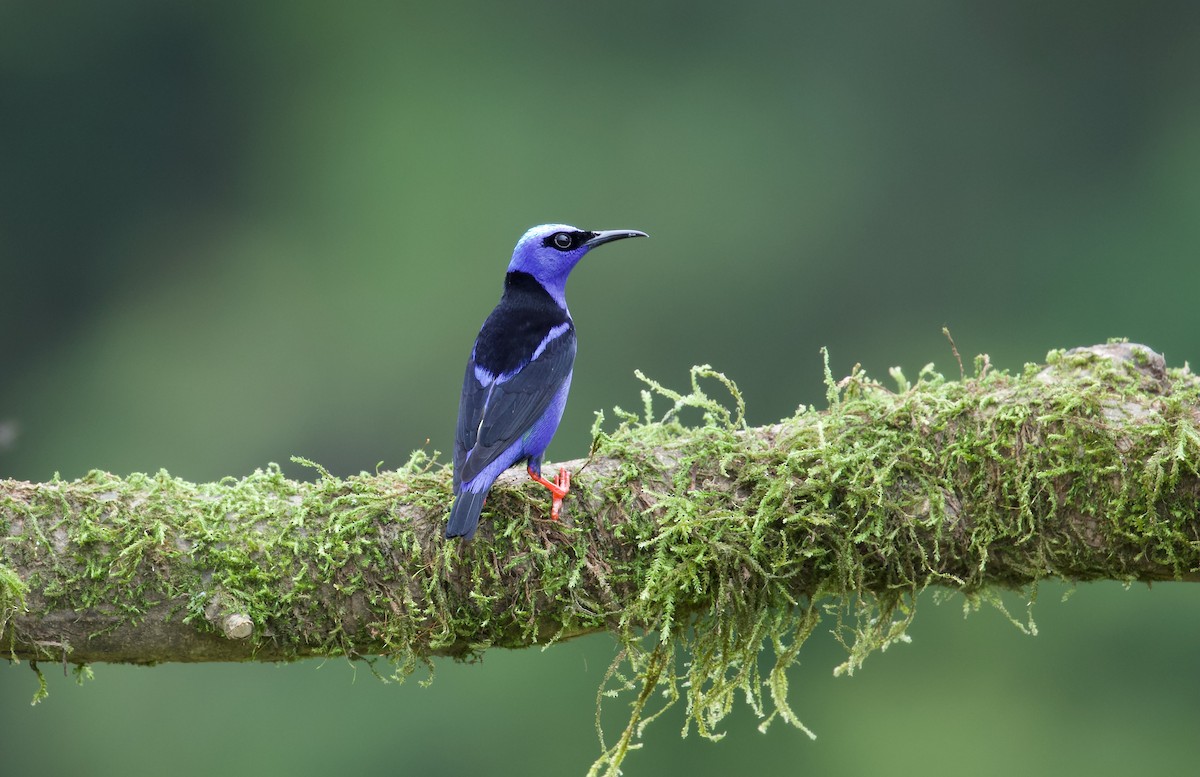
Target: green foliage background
233 232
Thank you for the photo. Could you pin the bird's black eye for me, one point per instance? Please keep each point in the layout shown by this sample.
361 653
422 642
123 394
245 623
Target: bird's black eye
563 241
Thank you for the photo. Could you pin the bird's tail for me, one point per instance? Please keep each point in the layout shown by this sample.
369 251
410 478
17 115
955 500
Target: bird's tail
464 516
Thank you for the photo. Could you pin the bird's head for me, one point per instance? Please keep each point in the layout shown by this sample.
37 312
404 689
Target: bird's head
549 252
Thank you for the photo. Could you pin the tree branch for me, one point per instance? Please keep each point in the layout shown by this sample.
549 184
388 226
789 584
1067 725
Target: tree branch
1082 469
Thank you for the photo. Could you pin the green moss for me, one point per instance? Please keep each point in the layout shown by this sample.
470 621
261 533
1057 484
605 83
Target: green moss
12 595
701 543
849 514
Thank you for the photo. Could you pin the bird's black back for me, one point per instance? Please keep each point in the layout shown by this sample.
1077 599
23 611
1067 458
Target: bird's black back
517 326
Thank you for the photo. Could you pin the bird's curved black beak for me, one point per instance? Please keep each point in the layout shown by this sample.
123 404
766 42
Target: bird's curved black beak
609 235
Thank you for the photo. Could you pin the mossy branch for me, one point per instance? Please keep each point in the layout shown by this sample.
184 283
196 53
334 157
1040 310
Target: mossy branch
716 537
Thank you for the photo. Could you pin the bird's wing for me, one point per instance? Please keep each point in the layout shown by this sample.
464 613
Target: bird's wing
494 416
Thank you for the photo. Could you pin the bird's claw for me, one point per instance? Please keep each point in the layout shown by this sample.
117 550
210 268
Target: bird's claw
563 481
558 488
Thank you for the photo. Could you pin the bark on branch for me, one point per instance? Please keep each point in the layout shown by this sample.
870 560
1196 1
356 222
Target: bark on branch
1083 468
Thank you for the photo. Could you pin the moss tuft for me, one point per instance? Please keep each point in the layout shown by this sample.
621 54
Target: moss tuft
12 596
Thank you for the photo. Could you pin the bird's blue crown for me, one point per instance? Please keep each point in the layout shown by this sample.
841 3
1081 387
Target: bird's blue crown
550 251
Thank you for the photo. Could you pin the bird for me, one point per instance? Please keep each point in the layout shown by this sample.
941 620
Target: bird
517 378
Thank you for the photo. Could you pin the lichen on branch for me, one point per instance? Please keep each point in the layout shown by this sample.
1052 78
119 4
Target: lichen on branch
699 545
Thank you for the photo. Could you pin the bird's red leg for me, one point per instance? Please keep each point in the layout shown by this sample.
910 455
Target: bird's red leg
558 489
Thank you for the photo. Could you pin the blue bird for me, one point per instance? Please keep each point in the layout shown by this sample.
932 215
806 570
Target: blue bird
519 373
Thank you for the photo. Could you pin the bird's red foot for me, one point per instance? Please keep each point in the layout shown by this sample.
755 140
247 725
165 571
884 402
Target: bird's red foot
558 489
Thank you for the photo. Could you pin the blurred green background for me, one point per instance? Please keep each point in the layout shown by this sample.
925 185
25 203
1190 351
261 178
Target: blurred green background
235 232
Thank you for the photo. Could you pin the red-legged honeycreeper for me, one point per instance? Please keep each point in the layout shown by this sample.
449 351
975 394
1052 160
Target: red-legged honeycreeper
519 372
